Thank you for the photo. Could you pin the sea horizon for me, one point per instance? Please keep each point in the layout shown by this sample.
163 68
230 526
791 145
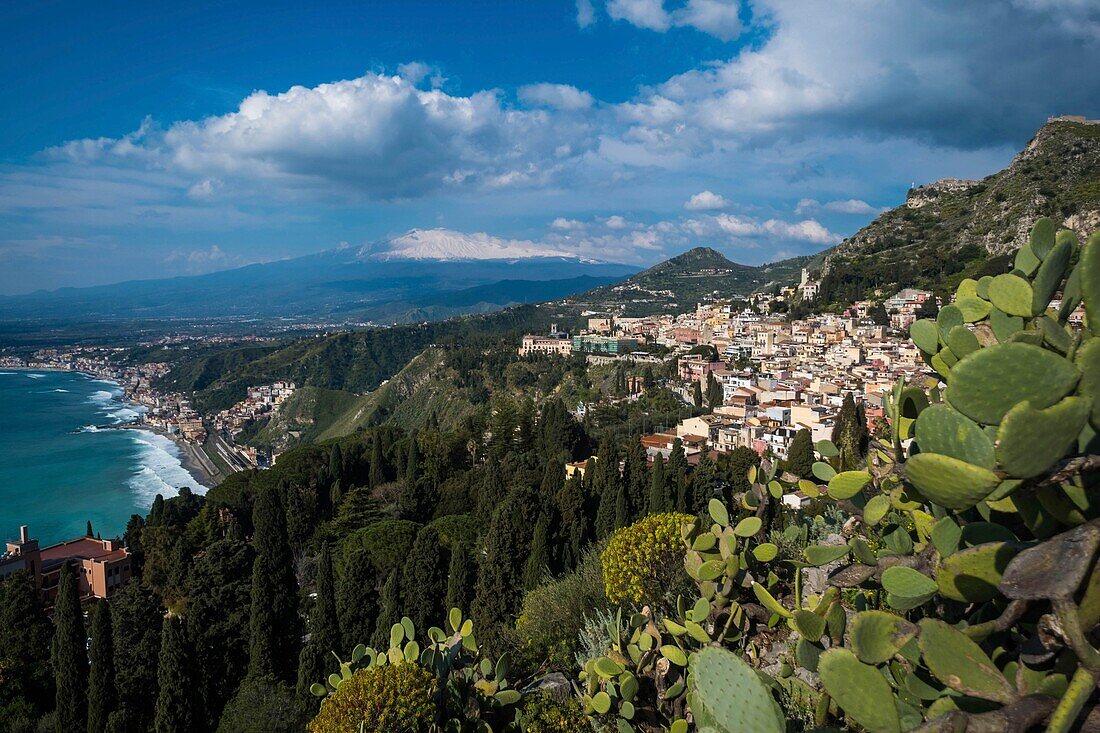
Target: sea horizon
52 425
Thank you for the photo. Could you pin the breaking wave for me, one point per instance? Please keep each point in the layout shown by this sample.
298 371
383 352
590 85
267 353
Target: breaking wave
159 469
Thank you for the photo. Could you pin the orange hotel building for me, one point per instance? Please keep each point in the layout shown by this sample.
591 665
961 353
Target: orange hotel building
102 566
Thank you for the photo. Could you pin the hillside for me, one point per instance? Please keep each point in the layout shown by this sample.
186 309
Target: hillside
952 229
690 277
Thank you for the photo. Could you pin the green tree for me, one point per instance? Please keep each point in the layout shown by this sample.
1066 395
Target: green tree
715 393
263 705
701 487
175 696
25 633
850 434
274 628
316 660
878 314
697 394
102 696
676 476
377 475
734 467
461 576
576 530
68 656
136 628
357 601
500 573
424 579
658 500
219 589
636 478
538 560
800 456
390 612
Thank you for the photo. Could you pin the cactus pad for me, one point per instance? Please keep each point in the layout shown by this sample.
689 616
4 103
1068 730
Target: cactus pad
847 484
728 695
1088 361
1089 267
986 384
1011 294
1043 236
961 664
973 308
1030 441
972 575
943 429
1004 325
860 690
961 340
926 335
1050 274
950 482
876 636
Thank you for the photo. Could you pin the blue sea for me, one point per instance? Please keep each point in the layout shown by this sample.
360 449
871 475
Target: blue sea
57 471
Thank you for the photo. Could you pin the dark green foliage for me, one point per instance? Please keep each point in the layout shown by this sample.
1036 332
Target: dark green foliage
175 683
538 561
490 492
357 601
377 464
697 395
136 624
68 656
658 500
734 467
500 572
274 628
850 434
878 314
102 696
606 486
24 647
218 598
424 579
316 660
461 577
715 394
636 481
132 540
263 705
576 523
390 611
676 477
703 485
800 456
387 543
416 499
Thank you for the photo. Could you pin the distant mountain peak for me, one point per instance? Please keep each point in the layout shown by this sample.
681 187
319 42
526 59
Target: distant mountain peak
446 244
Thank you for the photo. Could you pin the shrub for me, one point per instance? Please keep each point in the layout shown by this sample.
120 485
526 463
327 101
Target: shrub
642 561
393 698
387 543
553 614
543 714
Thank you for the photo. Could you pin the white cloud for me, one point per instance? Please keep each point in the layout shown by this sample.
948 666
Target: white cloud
616 222
649 14
586 13
719 18
846 206
556 96
567 224
205 188
706 201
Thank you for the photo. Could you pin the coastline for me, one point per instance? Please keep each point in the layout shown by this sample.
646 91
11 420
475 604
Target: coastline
191 458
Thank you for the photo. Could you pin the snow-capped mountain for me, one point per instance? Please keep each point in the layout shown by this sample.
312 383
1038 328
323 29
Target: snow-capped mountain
421 275
446 244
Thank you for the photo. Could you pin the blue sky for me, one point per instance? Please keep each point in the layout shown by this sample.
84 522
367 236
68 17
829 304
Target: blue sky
152 139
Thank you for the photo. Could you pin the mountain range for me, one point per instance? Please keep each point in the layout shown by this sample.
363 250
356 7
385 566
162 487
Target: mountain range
421 275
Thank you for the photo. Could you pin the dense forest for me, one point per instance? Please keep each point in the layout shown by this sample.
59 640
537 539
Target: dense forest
937 575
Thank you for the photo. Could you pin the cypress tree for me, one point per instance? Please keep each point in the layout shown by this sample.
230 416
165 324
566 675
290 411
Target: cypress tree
676 473
68 656
136 628
500 572
622 508
701 487
490 493
424 579
336 463
637 480
377 463
274 626
658 500
390 612
460 579
316 660
800 456
88 532
697 394
575 530
538 560
102 697
25 633
715 394
175 697
357 601
412 465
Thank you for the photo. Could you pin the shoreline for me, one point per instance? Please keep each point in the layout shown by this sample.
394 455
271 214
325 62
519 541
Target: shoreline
205 473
